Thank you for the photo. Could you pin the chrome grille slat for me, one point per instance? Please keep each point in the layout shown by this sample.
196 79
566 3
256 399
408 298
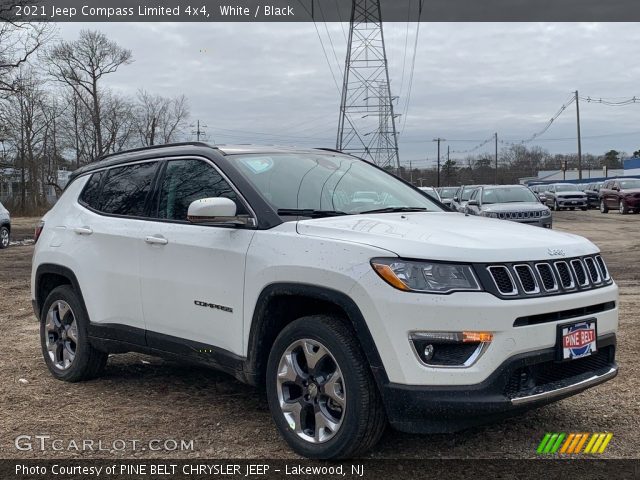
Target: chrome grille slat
603 267
527 279
594 273
564 274
580 272
503 280
545 271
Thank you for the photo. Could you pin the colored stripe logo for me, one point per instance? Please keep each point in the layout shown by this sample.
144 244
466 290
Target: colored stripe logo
574 443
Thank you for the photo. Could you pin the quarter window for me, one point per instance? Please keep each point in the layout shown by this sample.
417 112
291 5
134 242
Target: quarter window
126 189
90 196
186 181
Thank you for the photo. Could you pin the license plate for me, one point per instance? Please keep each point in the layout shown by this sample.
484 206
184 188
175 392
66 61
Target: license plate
577 340
574 202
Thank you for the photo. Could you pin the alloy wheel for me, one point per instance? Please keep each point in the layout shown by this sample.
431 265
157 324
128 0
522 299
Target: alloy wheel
311 391
61 330
4 237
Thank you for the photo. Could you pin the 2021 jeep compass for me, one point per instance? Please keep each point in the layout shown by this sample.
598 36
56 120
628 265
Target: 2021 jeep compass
352 312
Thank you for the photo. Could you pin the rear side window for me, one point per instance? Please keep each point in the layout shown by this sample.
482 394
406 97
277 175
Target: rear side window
186 181
125 189
90 196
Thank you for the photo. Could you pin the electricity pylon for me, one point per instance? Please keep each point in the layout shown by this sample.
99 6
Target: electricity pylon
367 124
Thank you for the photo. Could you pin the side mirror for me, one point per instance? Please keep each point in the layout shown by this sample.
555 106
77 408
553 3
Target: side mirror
216 211
473 203
616 188
455 199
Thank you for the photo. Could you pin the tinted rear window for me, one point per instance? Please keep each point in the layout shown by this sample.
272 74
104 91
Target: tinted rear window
125 189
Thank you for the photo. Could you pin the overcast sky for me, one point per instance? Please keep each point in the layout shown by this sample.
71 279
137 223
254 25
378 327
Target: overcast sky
270 82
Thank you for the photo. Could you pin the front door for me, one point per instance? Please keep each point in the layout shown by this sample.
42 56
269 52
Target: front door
193 275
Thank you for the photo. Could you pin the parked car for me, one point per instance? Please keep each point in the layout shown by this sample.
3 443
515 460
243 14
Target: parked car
622 194
432 192
565 195
447 194
5 227
593 194
350 315
509 202
538 190
462 196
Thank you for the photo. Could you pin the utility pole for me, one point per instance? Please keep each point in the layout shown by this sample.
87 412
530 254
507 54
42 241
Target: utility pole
410 173
199 130
496 137
579 138
439 140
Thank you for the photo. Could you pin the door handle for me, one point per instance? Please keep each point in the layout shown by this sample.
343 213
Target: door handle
156 240
83 230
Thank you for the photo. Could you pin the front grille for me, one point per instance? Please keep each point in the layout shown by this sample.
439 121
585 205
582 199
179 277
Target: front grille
527 280
519 215
566 280
549 277
578 270
526 380
572 197
503 280
593 270
603 267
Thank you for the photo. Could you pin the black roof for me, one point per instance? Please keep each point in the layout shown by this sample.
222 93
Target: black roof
183 148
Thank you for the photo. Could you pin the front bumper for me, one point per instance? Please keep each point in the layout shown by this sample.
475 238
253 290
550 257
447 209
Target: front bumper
571 202
522 382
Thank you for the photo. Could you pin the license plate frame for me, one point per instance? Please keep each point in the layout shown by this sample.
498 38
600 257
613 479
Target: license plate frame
566 353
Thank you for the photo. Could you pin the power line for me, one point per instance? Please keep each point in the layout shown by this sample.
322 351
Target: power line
610 103
413 65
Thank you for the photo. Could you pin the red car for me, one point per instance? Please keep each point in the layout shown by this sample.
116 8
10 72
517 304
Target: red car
621 194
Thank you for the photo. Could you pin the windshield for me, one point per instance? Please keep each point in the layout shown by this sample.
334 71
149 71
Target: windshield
566 188
466 193
325 182
508 195
630 184
448 192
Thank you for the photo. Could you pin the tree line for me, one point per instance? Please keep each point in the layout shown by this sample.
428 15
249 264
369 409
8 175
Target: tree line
514 163
56 111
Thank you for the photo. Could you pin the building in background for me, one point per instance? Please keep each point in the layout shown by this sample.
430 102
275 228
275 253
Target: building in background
10 180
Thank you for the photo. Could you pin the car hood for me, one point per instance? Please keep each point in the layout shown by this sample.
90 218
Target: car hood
628 191
514 206
449 236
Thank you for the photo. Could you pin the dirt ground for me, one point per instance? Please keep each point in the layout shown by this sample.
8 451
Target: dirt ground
144 398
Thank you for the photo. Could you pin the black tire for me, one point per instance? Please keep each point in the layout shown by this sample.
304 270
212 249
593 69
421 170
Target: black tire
5 236
584 209
363 419
603 207
623 208
88 362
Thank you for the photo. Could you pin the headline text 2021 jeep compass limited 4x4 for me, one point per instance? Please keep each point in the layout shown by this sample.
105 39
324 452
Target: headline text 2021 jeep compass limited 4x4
266 263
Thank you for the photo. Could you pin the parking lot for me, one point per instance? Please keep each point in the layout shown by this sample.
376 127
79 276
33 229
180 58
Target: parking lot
144 398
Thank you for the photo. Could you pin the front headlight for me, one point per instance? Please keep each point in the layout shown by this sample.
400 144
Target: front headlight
546 213
425 276
489 214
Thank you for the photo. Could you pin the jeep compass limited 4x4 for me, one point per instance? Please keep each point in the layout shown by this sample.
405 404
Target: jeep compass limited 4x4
352 311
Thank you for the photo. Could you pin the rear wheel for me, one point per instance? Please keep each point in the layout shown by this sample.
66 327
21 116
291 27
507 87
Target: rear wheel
603 207
584 209
65 340
623 208
321 392
4 237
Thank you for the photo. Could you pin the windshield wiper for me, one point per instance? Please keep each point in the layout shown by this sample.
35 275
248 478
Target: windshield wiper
309 212
396 209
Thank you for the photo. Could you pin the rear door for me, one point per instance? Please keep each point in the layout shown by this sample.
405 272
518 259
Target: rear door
193 275
106 235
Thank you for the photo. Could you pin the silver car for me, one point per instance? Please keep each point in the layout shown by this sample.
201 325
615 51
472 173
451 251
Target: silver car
509 202
5 227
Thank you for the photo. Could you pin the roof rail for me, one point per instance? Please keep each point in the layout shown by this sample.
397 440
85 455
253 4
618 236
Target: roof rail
164 145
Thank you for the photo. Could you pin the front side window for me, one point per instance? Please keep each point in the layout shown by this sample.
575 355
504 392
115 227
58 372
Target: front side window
125 189
627 184
324 182
186 181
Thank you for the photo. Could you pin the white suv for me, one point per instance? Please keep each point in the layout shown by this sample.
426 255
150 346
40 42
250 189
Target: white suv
352 312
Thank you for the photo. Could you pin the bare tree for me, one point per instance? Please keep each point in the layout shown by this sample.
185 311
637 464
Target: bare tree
81 65
159 119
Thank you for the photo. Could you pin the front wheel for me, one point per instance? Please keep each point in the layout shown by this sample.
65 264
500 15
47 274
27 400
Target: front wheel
65 339
584 209
4 237
556 207
623 208
320 390
603 207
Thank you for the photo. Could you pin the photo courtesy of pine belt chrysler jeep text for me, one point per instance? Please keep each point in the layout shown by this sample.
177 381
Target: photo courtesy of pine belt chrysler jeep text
353 298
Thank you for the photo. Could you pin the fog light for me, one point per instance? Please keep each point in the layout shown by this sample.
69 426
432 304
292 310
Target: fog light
428 352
